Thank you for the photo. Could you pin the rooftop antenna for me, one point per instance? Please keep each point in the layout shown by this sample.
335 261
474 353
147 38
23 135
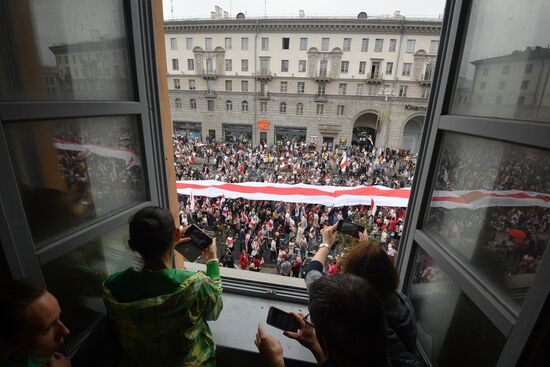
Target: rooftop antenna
265 8
172 8
230 8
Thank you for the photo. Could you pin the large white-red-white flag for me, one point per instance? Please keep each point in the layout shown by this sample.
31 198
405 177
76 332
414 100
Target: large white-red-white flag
344 162
130 156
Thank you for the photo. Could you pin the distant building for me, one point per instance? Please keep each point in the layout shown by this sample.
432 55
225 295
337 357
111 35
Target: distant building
322 80
510 86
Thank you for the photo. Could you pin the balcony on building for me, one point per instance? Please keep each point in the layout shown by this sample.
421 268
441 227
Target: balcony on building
210 93
263 75
320 98
375 78
426 78
322 76
209 74
264 96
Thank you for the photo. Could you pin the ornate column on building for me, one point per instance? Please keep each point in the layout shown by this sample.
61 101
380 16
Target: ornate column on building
384 117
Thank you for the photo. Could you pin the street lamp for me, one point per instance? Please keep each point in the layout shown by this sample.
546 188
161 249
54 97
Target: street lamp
384 118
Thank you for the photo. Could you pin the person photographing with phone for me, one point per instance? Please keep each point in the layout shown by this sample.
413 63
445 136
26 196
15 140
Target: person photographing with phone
160 313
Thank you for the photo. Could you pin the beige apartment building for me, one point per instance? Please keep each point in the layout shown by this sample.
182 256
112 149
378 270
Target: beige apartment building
330 81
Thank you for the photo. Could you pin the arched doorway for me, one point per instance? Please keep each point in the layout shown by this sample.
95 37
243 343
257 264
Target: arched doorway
412 134
364 126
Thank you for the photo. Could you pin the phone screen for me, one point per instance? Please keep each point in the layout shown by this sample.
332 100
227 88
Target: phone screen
350 228
199 242
281 320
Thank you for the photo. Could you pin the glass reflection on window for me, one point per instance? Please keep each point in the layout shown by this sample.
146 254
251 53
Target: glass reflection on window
506 76
451 329
64 50
491 205
76 278
71 171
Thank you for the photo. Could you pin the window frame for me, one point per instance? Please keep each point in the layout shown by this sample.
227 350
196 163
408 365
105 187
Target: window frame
515 326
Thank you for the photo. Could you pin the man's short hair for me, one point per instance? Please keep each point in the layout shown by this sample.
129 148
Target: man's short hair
347 313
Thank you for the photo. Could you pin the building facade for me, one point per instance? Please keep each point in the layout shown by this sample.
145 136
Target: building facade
321 80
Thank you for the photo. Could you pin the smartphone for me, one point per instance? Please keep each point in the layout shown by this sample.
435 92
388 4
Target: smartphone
281 320
199 242
349 228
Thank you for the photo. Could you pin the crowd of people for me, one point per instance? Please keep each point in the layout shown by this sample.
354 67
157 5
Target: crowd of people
292 163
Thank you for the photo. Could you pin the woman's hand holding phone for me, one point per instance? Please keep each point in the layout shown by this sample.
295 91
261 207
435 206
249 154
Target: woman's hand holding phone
210 252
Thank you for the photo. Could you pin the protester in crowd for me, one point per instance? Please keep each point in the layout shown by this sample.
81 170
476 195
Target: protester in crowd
368 260
31 331
244 260
171 304
346 326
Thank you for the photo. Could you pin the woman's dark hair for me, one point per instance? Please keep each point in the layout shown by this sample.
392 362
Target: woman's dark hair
152 232
15 297
368 260
348 315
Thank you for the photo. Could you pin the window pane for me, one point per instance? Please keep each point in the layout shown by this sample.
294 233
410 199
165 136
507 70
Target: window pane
64 50
518 56
75 278
493 211
74 170
451 329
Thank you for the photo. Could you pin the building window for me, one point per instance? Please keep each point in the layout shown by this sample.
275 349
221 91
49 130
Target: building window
192 85
521 100
501 85
284 87
303 44
321 90
485 71
244 44
263 106
284 66
189 43
286 43
505 69
364 45
244 106
325 43
403 90
360 88
389 67
228 85
229 105
340 110
178 103
177 84
244 85
175 64
499 100
426 92
300 109
528 68
301 86
525 84
301 66
210 103
228 43
191 64
244 65
265 44
342 89
344 67
372 90
193 104
393 44
208 43
173 43
378 45
411 44
228 65
282 107
320 108
407 67
434 46
347 44
482 85
362 67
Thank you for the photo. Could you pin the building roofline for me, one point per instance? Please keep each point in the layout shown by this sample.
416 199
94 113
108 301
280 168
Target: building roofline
308 24
536 52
